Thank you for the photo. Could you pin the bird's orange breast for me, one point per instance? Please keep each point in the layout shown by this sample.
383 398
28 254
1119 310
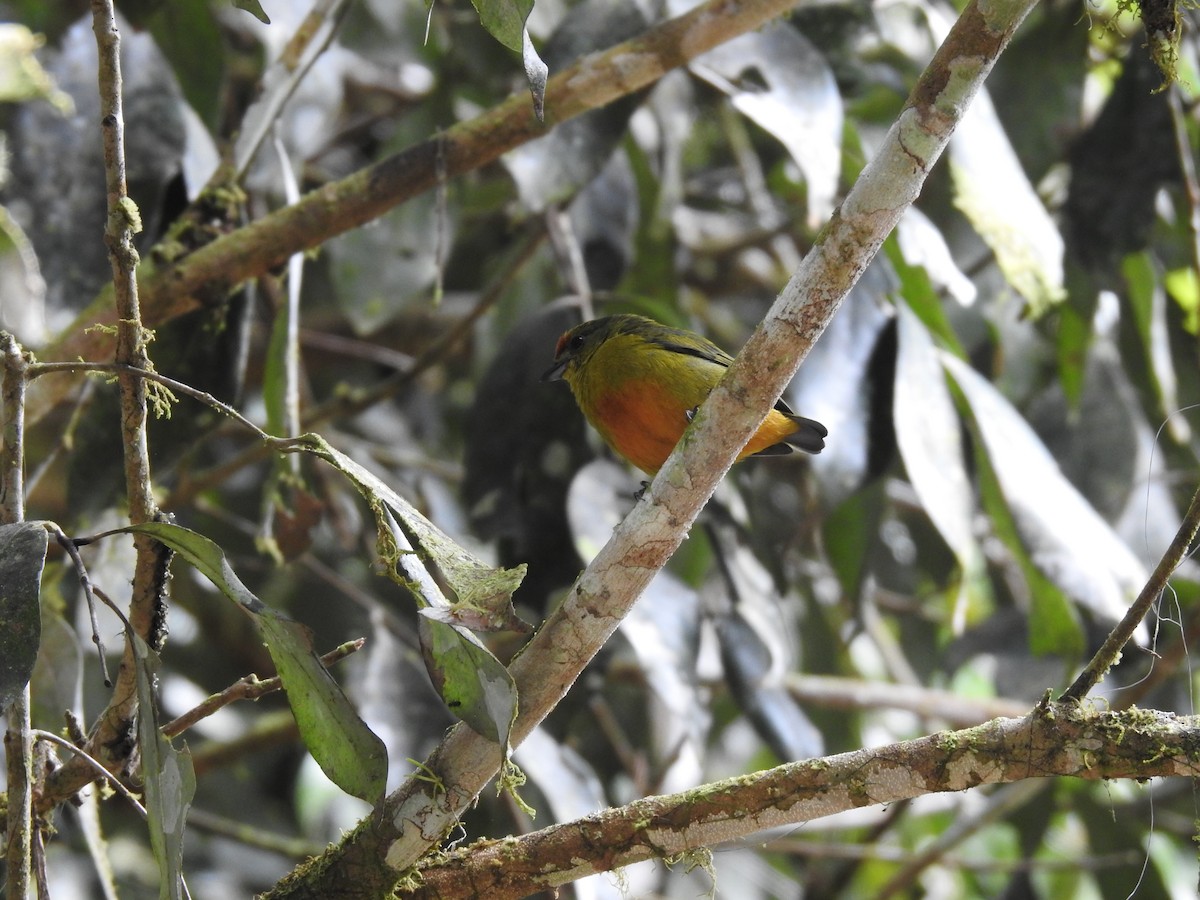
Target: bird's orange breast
641 420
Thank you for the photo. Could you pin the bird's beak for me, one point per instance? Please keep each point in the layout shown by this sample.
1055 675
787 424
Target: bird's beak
555 372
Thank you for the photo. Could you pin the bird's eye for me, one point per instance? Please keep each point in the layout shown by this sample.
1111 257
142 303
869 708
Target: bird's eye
576 342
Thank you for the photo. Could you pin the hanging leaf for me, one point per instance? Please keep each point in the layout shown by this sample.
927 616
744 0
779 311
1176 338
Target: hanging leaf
346 750
554 168
1148 301
475 685
168 776
800 104
22 558
505 21
929 438
1066 538
254 8
482 594
994 192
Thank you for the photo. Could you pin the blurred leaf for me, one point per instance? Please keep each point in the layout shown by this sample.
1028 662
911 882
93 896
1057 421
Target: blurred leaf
571 787
1074 338
921 244
663 629
524 442
930 441
167 774
22 288
757 645
994 193
504 20
779 80
21 75
553 168
254 8
22 558
851 531
57 680
1054 626
1148 301
755 682
918 292
190 37
845 384
1066 539
1184 287
339 741
383 270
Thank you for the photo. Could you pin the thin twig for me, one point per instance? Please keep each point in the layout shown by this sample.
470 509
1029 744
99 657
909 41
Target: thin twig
95 764
248 688
89 594
1110 652
46 368
252 835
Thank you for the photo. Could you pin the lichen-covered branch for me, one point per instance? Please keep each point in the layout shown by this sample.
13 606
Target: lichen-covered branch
1054 740
110 738
18 742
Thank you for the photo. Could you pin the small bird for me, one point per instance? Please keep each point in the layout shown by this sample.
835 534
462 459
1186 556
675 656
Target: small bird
640 382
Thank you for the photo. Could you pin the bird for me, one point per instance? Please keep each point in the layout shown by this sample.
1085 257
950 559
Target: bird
639 383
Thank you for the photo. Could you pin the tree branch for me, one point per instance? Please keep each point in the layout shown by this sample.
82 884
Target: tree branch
1053 740
147 605
18 740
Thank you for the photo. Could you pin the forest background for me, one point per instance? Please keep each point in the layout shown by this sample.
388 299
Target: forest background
355 225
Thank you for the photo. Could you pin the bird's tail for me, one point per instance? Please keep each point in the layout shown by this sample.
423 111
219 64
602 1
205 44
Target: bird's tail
809 436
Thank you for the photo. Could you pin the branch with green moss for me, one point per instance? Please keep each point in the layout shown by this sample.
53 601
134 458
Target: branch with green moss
1053 740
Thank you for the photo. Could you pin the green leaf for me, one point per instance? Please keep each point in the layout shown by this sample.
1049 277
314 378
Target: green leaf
481 593
918 293
21 75
1148 301
1060 532
1074 339
255 9
930 442
994 193
353 757
170 780
22 558
504 20
1184 287
1054 626
475 685
851 531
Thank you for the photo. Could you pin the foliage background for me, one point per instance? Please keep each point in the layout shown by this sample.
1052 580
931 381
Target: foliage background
966 539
